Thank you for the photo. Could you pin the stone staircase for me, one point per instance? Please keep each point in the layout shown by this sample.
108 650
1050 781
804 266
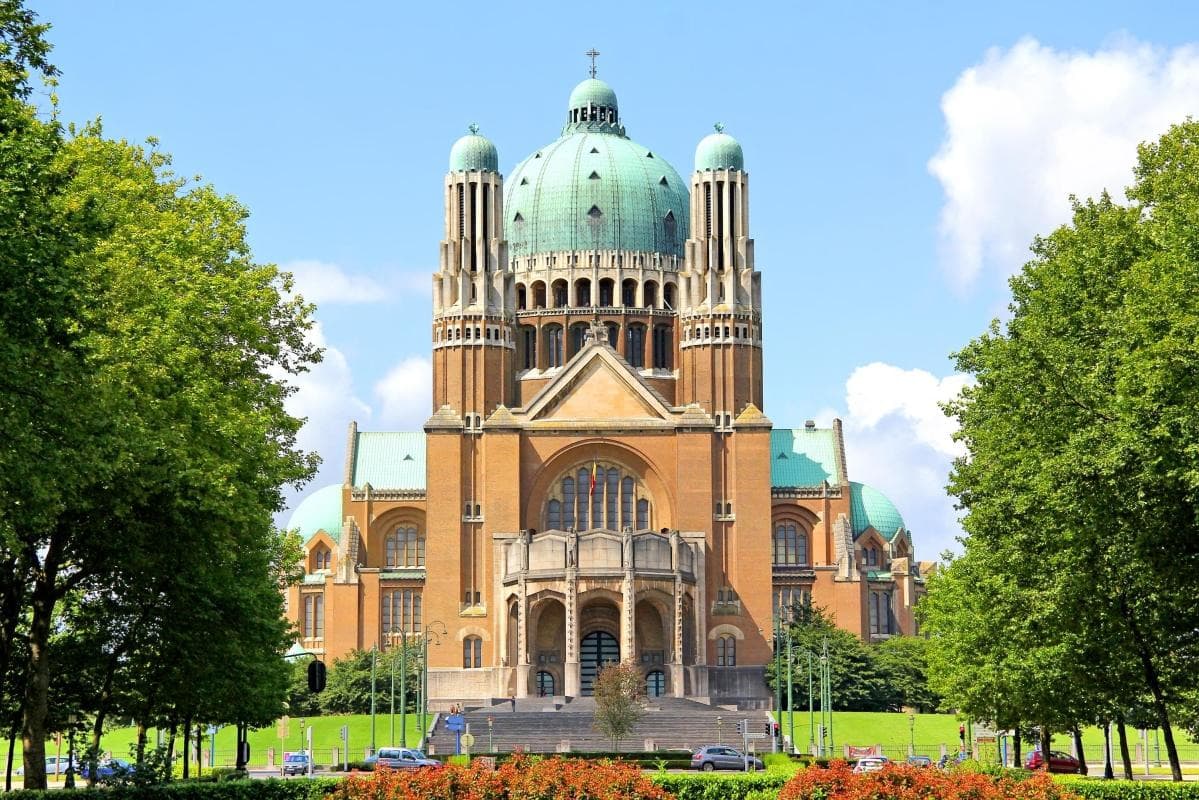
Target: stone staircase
542 725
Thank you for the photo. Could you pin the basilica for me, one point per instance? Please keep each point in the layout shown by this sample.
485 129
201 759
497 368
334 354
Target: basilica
598 479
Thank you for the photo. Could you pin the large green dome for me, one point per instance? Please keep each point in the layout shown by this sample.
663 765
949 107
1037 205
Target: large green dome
594 188
319 511
872 509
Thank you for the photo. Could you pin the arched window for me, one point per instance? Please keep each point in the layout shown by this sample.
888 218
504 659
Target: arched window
634 351
615 502
322 558
545 684
472 652
726 650
528 339
655 683
560 293
522 297
314 616
578 334
663 346
553 346
404 547
606 287
790 544
628 293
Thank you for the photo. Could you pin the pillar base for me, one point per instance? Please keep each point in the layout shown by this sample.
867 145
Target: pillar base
573 679
677 681
522 680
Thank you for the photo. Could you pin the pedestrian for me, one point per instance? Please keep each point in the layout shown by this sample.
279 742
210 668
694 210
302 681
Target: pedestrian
513 700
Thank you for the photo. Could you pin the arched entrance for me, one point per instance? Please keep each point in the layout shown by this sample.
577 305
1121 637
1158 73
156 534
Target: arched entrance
596 649
545 684
655 683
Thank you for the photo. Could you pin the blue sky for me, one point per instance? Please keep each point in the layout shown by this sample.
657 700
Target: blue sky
902 155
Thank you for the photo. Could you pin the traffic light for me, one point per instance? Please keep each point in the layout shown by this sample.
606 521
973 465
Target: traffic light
316 676
767 731
741 727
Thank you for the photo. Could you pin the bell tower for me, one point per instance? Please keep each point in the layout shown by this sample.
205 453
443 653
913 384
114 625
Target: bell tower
720 311
473 298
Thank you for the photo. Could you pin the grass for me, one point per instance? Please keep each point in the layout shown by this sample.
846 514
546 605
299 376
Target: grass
326 735
891 730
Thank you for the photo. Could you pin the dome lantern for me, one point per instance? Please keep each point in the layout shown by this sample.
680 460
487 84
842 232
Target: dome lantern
593 108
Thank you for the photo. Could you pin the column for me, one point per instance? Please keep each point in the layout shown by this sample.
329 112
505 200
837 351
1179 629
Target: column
571 665
676 663
628 636
522 642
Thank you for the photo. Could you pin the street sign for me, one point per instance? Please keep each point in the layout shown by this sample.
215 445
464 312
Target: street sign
756 736
468 739
282 728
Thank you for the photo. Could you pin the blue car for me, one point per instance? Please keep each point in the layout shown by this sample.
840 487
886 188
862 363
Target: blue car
108 768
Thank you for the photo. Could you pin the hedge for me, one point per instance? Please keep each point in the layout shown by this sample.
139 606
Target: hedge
1099 789
710 786
269 789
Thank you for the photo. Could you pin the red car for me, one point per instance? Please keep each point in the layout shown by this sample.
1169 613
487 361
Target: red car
1058 762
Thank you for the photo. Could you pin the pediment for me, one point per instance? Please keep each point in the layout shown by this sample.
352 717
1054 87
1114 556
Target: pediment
598 385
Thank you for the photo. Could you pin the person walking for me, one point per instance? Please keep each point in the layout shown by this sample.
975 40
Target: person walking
513 700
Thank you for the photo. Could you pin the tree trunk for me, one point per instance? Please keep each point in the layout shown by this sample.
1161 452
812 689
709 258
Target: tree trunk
1046 744
187 755
1155 688
1016 762
1080 752
37 685
141 742
1124 755
1108 774
171 750
12 745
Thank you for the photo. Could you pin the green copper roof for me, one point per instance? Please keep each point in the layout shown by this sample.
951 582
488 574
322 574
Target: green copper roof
719 151
473 152
803 457
319 511
871 509
592 92
390 461
595 189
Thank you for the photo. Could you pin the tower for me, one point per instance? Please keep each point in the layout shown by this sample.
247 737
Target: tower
472 290
721 346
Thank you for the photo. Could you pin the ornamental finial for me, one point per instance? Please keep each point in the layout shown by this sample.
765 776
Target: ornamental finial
592 54
473 128
719 126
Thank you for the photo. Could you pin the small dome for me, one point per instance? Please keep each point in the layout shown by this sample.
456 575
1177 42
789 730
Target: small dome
719 151
872 509
319 511
474 153
592 92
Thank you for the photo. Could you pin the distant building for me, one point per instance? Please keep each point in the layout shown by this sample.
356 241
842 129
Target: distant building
598 479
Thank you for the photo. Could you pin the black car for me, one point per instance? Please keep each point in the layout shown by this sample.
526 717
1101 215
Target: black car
719 756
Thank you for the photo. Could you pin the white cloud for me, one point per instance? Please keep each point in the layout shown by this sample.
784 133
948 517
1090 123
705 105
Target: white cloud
1031 125
323 283
899 441
405 394
325 397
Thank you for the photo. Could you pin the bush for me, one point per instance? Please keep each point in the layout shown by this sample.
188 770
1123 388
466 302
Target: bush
365 766
270 789
1098 789
731 786
520 776
900 782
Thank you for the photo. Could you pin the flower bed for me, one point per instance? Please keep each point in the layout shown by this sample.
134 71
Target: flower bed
520 778
902 782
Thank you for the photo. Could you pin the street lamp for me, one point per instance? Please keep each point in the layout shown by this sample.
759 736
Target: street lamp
720 730
437 629
374 664
912 731
70 781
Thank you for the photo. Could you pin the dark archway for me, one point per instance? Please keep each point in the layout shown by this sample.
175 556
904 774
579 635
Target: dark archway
597 649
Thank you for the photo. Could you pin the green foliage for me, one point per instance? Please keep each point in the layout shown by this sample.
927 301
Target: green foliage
1094 789
271 789
348 687
618 701
716 786
857 683
902 662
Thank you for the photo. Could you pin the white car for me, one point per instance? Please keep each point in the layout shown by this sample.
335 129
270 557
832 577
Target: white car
870 764
55 765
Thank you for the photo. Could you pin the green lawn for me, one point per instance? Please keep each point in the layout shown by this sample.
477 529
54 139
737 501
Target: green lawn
891 730
326 735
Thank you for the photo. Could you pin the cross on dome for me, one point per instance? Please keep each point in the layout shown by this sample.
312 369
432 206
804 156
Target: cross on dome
592 54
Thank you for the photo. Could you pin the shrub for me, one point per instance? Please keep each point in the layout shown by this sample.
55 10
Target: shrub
270 789
1096 789
733 786
902 782
522 776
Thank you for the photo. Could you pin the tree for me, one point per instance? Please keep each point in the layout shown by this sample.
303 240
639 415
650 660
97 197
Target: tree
857 684
1082 427
902 662
618 701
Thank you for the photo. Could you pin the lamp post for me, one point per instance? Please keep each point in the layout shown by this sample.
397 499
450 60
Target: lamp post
778 668
790 687
720 730
811 705
392 738
70 781
374 663
436 629
404 691
912 732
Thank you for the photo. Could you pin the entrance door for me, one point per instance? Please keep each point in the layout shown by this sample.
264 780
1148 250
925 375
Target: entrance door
596 649
655 684
545 684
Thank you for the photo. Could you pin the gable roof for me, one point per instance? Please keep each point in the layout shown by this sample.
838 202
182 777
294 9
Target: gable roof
597 384
801 457
393 460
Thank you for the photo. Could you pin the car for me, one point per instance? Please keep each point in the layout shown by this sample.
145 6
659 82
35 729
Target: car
919 761
718 756
107 768
871 764
402 758
295 764
1058 762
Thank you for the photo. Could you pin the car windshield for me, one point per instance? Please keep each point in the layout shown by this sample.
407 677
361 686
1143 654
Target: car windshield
296 757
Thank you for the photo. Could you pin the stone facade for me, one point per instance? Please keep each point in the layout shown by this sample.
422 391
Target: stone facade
598 479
